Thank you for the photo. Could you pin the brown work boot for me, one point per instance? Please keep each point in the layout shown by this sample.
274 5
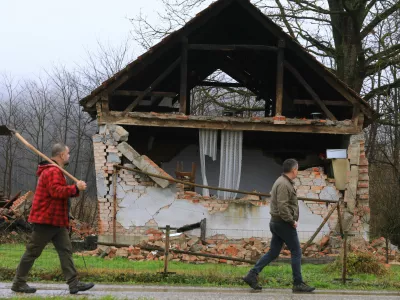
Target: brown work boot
252 280
23 288
302 288
80 287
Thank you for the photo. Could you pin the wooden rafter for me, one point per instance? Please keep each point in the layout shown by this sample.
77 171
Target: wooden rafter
309 89
213 47
326 102
138 93
153 85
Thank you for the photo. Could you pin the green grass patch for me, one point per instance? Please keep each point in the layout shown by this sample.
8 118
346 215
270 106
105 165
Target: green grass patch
119 270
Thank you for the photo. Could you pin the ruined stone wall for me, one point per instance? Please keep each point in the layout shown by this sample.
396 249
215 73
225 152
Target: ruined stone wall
144 203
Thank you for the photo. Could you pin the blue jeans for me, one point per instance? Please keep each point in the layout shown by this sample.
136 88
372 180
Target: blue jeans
282 232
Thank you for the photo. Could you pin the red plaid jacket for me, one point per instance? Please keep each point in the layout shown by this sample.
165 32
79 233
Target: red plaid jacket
50 204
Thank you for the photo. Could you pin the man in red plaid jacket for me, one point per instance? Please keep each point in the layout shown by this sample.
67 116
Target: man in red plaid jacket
50 219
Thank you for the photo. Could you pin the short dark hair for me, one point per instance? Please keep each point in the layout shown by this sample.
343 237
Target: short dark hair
57 149
289 165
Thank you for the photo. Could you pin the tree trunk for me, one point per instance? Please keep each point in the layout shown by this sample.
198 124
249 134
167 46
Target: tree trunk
350 59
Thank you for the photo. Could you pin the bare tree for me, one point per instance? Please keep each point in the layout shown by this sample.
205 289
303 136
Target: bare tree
338 32
12 116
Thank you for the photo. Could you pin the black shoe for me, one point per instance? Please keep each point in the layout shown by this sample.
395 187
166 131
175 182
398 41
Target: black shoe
302 288
23 288
252 280
80 287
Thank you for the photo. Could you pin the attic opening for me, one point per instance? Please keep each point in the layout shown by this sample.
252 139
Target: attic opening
262 153
267 74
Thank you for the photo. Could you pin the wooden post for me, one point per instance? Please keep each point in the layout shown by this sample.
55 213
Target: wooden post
115 171
166 253
387 249
320 227
203 229
279 78
344 267
183 88
187 102
340 220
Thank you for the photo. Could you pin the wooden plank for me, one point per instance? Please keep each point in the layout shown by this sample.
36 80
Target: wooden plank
279 78
138 93
156 101
309 90
220 84
184 76
330 212
326 102
213 47
356 114
345 93
153 85
92 102
230 124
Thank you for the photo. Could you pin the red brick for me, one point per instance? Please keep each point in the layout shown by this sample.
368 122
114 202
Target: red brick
316 188
231 251
363 184
363 161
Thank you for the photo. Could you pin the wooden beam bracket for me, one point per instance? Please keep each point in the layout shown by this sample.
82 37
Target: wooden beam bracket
153 85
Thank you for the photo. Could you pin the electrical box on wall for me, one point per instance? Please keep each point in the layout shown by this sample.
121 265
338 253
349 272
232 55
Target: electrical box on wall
336 153
340 165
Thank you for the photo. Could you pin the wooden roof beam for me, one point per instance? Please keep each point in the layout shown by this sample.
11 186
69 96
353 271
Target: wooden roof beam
153 85
326 102
309 89
138 93
225 123
220 84
213 47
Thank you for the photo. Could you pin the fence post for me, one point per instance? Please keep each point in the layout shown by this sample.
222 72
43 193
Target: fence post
344 267
166 252
387 249
203 229
114 218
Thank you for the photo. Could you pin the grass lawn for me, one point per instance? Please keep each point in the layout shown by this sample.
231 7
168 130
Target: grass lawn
47 268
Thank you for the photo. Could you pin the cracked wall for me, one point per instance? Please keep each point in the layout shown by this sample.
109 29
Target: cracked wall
144 202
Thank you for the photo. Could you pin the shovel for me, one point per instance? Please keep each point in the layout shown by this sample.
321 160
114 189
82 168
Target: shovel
4 130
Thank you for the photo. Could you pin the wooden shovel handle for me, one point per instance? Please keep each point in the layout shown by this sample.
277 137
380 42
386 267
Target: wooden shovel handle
26 143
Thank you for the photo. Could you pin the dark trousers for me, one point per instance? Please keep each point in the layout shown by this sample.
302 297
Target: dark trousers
41 236
282 232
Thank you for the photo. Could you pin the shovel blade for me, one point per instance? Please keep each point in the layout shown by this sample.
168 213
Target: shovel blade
4 130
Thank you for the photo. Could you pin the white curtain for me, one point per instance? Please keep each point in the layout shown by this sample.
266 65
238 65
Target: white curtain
231 162
208 146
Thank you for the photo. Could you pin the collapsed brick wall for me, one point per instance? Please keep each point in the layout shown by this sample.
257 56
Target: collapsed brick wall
110 147
314 183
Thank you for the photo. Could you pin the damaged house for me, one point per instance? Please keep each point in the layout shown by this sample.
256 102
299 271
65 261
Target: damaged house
145 119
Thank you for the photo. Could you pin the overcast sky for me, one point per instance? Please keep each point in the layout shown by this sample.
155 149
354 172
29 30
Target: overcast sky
36 34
